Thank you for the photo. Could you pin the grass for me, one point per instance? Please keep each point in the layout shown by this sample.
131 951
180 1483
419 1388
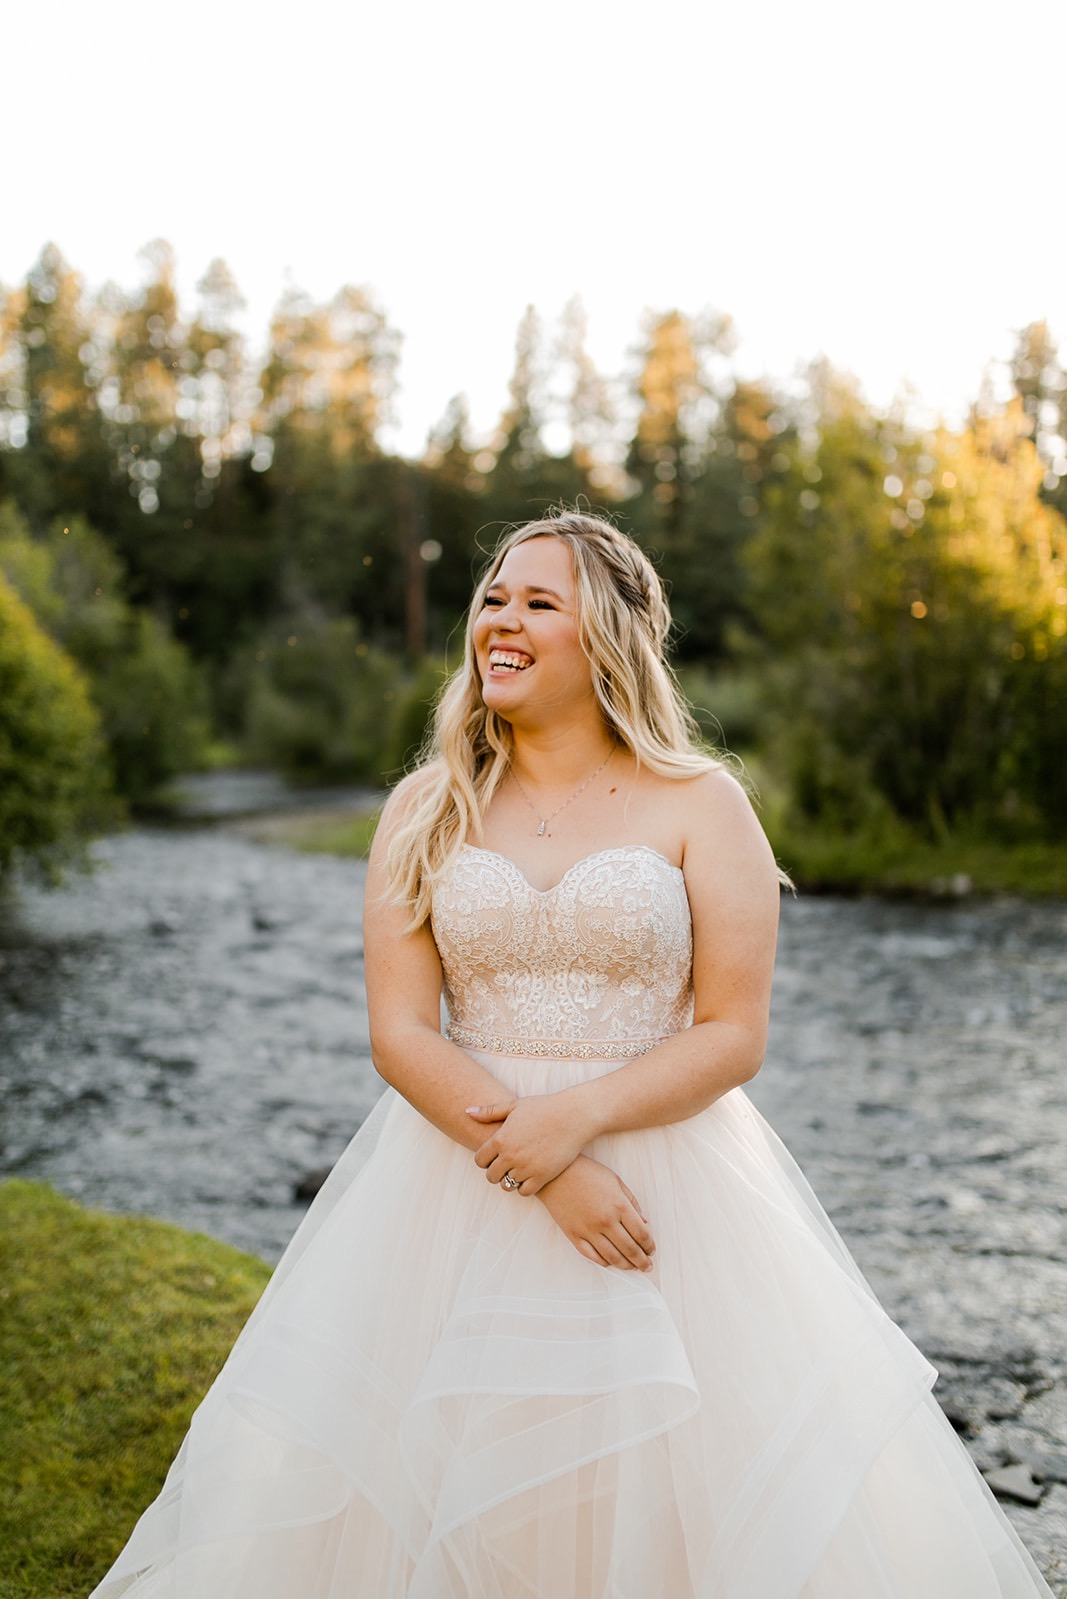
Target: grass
111 1330
899 863
330 832
875 861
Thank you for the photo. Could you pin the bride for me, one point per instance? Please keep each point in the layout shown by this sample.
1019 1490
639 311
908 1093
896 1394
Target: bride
566 1322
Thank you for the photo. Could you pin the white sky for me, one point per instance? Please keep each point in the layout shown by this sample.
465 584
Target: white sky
882 183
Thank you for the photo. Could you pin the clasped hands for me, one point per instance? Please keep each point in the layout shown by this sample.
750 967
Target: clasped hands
533 1139
539 1141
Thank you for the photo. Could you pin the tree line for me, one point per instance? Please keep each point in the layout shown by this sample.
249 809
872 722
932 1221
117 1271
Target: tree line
199 549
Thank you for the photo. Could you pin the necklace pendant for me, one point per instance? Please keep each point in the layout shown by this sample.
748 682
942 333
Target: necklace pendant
541 829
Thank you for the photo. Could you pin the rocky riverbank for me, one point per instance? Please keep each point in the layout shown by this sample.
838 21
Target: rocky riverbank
184 1034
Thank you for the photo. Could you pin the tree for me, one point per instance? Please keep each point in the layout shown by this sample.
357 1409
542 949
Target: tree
589 412
907 591
327 391
149 698
526 476
678 405
746 449
52 417
52 780
1040 382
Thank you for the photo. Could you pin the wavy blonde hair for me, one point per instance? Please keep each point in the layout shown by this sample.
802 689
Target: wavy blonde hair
623 625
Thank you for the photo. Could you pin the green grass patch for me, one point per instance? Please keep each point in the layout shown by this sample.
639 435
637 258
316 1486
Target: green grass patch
882 856
884 860
349 834
111 1330
895 862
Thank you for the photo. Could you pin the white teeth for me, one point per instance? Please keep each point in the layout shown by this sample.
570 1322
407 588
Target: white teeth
510 663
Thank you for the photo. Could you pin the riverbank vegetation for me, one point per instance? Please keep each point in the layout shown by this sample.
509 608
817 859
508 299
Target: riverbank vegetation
873 611
111 1330
892 860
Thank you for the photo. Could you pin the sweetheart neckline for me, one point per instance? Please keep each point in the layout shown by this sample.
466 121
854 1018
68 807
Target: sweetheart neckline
594 855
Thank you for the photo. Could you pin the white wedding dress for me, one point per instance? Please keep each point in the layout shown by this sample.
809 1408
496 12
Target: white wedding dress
439 1398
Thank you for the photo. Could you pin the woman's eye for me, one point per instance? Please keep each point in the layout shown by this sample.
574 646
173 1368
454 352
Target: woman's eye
541 605
492 599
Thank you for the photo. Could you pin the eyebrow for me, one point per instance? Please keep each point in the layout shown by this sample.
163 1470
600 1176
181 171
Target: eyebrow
530 588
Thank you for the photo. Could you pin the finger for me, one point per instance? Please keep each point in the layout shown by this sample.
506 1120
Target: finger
490 1113
498 1169
530 1186
611 1254
486 1153
639 1231
634 1201
635 1253
584 1247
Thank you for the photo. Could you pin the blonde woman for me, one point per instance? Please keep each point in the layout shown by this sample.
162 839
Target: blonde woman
567 1322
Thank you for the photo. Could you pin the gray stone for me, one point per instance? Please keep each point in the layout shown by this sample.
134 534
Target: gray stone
309 1185
1015 1482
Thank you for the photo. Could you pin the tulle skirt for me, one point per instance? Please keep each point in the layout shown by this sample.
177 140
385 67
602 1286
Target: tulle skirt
439 1398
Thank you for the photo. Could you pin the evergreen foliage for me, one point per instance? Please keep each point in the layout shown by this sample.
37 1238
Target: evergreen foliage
893 602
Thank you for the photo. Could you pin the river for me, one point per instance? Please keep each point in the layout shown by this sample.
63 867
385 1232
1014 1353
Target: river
183 1033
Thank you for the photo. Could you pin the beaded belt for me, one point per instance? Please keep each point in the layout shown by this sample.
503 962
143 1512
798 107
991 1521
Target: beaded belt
551 1048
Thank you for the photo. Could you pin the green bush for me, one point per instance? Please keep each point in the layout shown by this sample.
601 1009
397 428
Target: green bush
153 707
52 762
151 698
729 705
320 703
415 704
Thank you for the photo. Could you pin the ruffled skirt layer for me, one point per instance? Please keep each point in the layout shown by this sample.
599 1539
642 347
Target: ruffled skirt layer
439 1398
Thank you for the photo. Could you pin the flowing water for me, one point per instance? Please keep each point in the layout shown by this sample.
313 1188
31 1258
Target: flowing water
184 1033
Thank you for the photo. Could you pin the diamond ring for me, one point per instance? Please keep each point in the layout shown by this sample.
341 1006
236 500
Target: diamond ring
508 1181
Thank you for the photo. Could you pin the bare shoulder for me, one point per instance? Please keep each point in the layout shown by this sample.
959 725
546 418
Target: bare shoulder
406 794
721 831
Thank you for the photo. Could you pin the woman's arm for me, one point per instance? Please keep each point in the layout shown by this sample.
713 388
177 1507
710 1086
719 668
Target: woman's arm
591 1205
732 884
404 980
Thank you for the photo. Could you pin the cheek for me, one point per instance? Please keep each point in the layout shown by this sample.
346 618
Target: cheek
480 633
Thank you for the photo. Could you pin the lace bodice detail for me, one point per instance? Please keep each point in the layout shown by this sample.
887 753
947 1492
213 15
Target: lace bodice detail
598 967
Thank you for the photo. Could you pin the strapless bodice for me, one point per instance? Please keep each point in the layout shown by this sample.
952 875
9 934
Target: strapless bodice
598 967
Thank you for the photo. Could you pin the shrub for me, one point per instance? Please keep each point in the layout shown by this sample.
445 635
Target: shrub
321 703
151 698
52 761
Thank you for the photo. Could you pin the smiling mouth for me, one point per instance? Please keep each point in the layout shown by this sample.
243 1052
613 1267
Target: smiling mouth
508 661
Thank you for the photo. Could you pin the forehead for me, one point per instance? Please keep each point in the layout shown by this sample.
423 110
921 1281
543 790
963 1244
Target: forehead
542 562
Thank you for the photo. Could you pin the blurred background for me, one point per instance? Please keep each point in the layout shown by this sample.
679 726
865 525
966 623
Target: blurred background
293 322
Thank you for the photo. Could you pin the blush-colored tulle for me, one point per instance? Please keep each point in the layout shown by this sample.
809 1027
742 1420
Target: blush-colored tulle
439 1398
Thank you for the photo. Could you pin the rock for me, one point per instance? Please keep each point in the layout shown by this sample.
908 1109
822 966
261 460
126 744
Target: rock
961 1420
1004 1398
309 1185
1015 1482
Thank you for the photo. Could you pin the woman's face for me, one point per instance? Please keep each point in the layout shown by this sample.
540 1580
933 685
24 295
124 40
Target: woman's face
526 644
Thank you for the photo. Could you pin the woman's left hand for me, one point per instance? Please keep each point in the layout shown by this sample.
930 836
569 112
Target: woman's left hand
535 1139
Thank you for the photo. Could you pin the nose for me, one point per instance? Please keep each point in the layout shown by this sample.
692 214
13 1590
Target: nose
506 616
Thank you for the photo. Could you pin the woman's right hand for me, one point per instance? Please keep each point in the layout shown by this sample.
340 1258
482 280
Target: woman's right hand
600 1216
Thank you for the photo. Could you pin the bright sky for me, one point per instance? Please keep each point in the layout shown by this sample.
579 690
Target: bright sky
884 184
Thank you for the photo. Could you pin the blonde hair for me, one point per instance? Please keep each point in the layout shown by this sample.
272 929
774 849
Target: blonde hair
623 626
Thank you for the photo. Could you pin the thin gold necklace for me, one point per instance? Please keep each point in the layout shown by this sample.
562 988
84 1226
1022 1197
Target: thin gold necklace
544 820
